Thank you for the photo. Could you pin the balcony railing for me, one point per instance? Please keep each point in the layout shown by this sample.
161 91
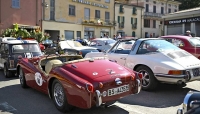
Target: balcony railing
151 14
134 26
99 22
121 25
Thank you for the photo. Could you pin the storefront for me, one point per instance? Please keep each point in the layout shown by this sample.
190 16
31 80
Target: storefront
89 32
105 31
179 22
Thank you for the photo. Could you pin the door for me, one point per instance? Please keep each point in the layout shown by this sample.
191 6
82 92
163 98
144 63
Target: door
121 51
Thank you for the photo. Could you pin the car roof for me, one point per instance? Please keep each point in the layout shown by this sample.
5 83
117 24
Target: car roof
176 36
142 39
20 41
103 39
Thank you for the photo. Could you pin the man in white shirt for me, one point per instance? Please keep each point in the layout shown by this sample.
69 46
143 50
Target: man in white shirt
119 36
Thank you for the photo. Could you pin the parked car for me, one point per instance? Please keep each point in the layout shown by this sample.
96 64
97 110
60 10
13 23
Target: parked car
102 44
67 80
189 44
191 103
12 50
69 44
157 59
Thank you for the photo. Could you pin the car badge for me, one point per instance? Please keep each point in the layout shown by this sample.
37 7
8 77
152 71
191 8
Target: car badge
111 71
95 73
118 81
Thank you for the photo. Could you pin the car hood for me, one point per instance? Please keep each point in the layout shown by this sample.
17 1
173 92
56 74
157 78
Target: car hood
95 69
84 48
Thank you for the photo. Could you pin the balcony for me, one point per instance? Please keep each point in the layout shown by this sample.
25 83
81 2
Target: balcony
121 25
134 26
153 15
98 22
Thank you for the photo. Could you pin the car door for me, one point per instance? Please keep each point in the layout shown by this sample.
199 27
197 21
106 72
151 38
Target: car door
1 53
120 51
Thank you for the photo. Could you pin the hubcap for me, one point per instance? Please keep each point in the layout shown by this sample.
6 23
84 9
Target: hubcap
5 71
59 94
21 78
145 78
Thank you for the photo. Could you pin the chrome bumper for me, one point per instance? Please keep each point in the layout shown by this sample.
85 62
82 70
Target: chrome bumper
139 86
180 111
98 98
12 69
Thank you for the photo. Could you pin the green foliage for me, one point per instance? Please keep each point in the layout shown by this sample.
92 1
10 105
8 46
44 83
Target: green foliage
188 4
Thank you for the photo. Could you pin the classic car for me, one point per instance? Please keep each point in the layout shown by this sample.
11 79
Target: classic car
71 80
102 44
69 44
158 60
12 50
191 103
189 44
3 39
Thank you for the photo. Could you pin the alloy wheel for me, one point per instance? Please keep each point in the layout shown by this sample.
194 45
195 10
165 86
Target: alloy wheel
145 78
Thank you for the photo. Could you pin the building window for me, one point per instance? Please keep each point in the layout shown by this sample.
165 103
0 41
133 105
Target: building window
16 3
87 14
147 23
97 14
169 5
71 10
154 2
175 6
169 10
107 1
147 0
147 8
121 9
162 10
175 10
107 16
154 9
162 3
154 23
52 10
78 34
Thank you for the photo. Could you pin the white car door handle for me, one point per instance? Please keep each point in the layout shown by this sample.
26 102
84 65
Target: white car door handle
123 58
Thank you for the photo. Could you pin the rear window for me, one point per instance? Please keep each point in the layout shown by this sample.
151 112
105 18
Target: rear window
24 48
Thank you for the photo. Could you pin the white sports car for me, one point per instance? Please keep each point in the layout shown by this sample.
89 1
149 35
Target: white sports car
157 59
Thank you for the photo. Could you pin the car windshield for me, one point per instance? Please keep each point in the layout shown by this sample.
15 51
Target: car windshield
24 48
70 44
110 41
149 46
195 41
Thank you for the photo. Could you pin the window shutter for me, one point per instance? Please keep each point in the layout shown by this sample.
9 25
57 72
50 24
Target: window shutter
121 8
133 33
131 20
134 10
123 19
136 20
118 19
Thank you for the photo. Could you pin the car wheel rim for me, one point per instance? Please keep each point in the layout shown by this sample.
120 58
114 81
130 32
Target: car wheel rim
145 78
59 94
21 76
4 70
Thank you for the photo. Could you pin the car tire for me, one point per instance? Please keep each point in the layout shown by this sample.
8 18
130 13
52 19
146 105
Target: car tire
149 82
6 72
59 97
22 78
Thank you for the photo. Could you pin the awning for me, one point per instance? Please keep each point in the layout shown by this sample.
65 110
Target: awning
27 26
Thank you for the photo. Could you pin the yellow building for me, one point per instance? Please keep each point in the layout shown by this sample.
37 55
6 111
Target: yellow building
78 18
129 19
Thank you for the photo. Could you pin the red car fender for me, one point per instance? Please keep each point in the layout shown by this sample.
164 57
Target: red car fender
75 88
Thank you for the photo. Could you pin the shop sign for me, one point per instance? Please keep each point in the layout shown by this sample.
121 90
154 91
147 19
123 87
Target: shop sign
180 21
89 29
105 30
90 3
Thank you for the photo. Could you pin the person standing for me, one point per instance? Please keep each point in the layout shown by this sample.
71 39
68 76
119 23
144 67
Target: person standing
119 36
188 33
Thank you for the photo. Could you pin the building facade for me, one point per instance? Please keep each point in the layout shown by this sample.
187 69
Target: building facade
26 13
128 19
73 19
154 10
180 22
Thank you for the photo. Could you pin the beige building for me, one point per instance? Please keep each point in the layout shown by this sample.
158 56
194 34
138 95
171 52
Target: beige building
78 18
154 10
128 19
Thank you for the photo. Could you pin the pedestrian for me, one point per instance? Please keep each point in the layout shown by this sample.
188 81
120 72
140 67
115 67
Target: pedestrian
188 33
114 37
58 39
119 36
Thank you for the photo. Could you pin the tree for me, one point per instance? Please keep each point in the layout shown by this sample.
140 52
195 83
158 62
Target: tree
188 4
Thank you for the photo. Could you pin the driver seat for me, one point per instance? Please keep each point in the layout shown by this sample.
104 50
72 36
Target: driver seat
51 64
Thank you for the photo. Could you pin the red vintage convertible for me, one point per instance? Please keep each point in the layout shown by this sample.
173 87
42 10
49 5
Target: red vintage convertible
71 80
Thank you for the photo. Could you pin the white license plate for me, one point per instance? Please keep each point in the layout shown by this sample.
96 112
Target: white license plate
118 90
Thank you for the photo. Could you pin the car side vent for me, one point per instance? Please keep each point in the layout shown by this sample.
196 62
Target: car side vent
74 66
171 55
178 54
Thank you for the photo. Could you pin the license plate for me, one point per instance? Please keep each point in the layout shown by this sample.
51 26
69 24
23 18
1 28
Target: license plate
118 90
196 72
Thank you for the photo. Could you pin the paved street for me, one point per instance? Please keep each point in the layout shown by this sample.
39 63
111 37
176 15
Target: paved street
165 100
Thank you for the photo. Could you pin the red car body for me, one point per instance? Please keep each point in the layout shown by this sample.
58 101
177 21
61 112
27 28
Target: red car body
86 82
184 43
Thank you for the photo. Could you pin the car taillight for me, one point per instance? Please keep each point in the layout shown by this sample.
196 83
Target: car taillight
100 85
89 87
140 75
175 72
11 63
